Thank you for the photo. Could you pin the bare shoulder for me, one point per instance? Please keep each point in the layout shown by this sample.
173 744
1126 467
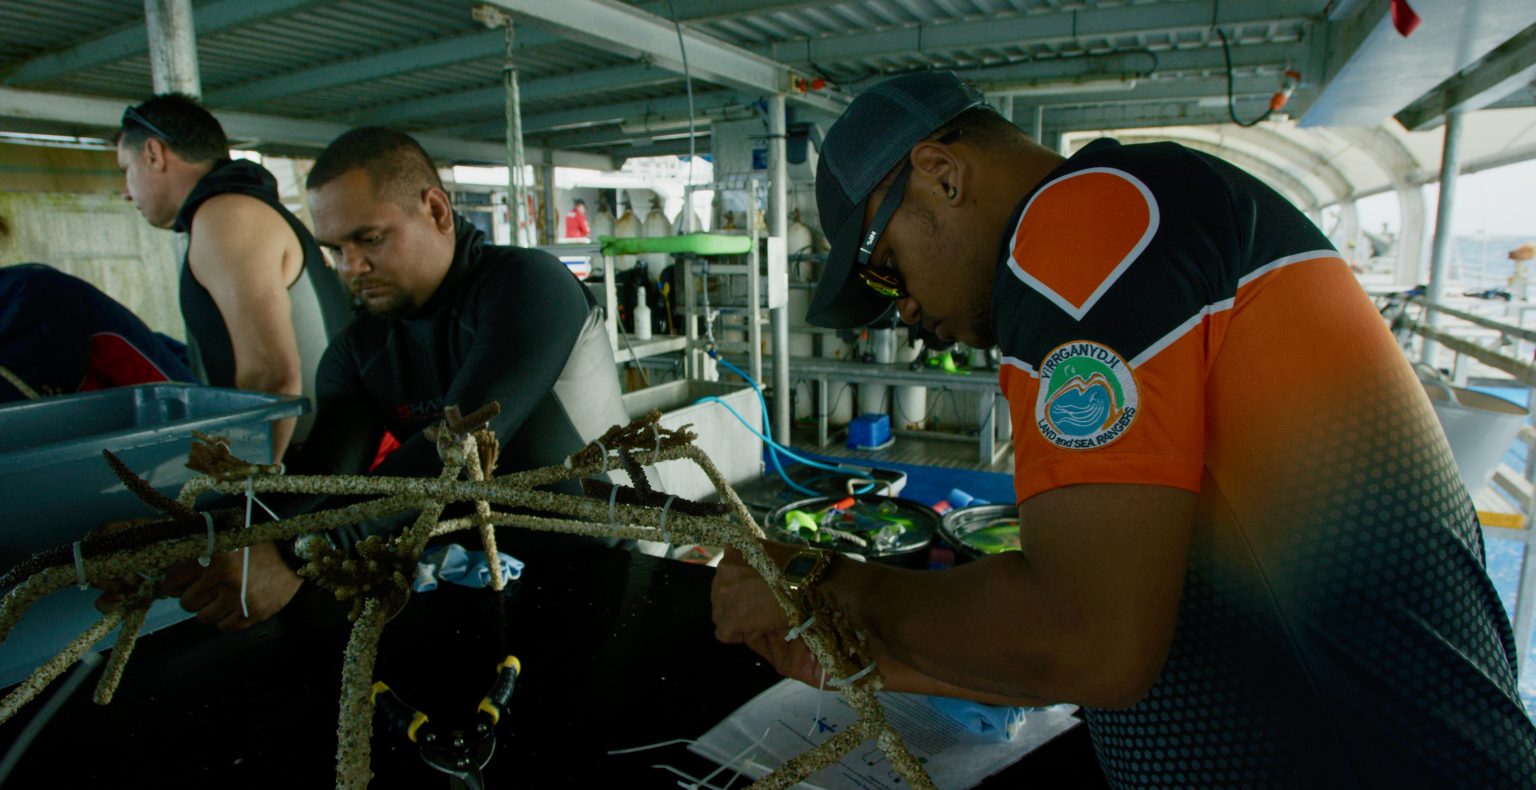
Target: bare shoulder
241 232
236 214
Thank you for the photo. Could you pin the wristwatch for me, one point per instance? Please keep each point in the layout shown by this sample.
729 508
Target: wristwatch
806 567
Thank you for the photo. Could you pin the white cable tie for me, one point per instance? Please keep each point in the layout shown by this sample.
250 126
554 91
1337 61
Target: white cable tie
245 553
80 567
662 525
258 501
213 545
604 449
245 577
613 495
799 629
821 690
851 679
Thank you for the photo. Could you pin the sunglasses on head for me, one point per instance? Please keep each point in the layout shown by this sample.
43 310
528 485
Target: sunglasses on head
133 116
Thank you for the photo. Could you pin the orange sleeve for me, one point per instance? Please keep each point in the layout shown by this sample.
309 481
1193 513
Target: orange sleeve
1085 419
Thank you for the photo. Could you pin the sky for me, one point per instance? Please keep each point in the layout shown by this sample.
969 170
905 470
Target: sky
1499 202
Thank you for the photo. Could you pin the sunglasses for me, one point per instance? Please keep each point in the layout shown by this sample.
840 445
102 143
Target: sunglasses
131 115
883 280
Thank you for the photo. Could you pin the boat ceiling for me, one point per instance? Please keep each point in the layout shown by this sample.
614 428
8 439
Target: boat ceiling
602 81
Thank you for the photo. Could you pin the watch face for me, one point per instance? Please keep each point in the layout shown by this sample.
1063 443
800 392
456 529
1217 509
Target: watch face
799 565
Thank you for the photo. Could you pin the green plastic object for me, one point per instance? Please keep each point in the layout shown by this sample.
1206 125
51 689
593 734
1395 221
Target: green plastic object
796 521
995 539
946 363
692 244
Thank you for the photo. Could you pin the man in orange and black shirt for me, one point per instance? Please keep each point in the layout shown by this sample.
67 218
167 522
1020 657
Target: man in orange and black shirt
1245 547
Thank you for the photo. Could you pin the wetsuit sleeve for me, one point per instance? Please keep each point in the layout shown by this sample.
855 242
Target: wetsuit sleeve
347 429
526 318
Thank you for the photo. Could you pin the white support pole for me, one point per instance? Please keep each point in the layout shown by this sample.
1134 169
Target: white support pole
1450 169
778 227
551 219
172 47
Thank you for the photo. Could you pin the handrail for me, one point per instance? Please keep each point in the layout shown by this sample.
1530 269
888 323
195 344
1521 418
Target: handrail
1483 321
1524 372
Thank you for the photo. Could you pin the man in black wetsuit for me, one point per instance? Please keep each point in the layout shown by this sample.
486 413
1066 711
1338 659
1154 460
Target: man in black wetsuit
449 321
258 301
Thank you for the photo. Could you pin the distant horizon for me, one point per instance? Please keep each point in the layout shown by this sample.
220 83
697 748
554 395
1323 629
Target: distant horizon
1498 202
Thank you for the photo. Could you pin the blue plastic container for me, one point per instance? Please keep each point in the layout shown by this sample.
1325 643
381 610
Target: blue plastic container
869 431
55 486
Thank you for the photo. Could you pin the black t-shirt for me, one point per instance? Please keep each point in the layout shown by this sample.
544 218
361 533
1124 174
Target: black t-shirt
1167 319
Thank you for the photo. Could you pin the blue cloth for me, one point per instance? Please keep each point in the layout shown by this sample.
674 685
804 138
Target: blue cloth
959 499
994 721
457 565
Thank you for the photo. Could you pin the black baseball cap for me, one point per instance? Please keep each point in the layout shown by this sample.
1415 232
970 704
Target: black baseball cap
873 135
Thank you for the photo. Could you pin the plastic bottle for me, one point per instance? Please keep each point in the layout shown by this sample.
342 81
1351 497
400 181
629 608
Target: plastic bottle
627 226
642 318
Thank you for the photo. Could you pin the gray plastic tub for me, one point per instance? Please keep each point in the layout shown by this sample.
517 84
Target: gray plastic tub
55 487
54 484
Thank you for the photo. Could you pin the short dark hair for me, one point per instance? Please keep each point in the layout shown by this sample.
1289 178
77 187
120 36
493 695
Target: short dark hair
396 164
178 120
579 202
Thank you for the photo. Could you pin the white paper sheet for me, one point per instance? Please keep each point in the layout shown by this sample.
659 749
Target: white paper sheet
796 717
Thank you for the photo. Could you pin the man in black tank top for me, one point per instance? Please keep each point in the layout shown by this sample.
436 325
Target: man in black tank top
448 320
258 301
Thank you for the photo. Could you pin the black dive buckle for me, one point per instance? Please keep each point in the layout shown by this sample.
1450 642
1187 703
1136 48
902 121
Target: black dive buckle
461 754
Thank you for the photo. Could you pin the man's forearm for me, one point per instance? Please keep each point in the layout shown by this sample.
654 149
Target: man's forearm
276 381
972 631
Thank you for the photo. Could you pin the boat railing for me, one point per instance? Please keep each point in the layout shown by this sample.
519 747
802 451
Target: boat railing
1492 348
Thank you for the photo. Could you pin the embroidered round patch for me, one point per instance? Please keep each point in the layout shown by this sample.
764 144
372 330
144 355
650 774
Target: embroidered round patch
1087 398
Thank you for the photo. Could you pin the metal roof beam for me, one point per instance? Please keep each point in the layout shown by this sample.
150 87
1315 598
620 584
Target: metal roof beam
653 109
667 148
639 132
1509 67
133 40
707 10
1139 116
490 43
105 114
1135 64
616 27
493 99
1025 31
1307 159
414 58
1155 91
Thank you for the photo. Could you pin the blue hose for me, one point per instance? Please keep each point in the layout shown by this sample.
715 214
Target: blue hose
774 448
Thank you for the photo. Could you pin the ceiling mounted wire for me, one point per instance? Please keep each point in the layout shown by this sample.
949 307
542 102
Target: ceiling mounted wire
688 81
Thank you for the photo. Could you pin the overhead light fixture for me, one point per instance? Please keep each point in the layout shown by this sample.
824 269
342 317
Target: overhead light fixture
1056 87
